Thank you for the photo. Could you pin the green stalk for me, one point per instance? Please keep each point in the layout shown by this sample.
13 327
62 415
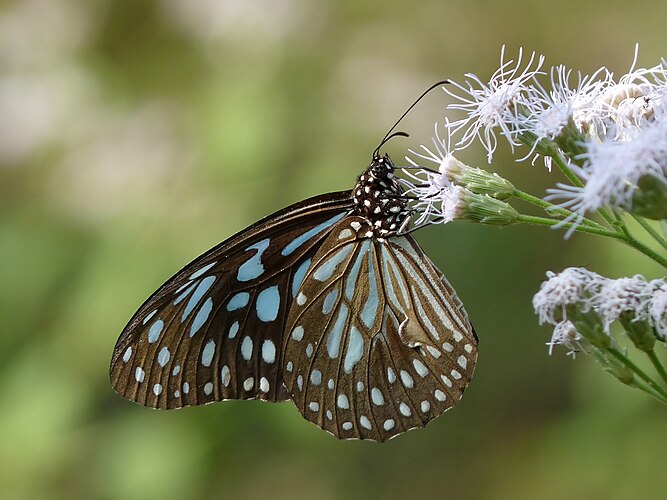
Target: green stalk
657 364
639 372
551 208
650 230
567 172
545 221
626 238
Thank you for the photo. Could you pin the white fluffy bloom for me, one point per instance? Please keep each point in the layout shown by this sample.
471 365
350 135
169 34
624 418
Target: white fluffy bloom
567 335
548 111
656 306
569 287
613 168
493 105
618 296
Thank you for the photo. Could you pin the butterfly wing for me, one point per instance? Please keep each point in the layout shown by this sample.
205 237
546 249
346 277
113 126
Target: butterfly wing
377 341
214 330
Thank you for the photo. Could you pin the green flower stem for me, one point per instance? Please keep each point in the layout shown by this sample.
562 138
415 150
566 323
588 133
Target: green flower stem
626 238
545 221
663 225
657 364
634 242
567 172
639 372
648 390
551 208
651 230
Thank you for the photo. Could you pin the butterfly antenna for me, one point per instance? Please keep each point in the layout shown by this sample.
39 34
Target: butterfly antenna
389 134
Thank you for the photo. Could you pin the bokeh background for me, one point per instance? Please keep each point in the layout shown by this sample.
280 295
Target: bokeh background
135 135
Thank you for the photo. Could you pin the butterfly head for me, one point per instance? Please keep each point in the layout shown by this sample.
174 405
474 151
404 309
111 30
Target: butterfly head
378 198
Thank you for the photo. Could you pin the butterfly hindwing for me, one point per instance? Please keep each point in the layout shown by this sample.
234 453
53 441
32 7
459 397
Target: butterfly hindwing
214 330
376 341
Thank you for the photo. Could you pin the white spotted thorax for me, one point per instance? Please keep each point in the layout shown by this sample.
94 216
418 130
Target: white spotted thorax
329 303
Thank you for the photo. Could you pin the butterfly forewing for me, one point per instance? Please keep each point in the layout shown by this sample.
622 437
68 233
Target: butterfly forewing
214 331
377 342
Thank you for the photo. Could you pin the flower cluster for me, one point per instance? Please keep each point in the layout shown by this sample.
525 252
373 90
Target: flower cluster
608 137
609 134
582 305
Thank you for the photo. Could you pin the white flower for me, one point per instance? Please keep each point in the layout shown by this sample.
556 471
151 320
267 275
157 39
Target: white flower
493 105
443 158
612 169
657 306
567 335
569 287
549 111
618 296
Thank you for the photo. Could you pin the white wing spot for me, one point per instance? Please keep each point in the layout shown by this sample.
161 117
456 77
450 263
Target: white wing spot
163 356
148 318
377 397
389 424
249 383
155 331
448 347
425 406
207 353
360 386
446 380
329 415
208 388
233 330
439 395
330 384
225 376
316 377
345 233
176 370
128 354
177 394
139 374
264 385
355 225
268 351
391 376
407 379
290 366
297 333
455 374
420 368
314 406
365 423
467 348
301 299
186 387
299 382
405 410
462 361
309 350
458 336
157 389
342 402
347 426
246 348
433 351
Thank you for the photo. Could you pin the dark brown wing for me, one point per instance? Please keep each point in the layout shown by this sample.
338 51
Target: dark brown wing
214 331
377 342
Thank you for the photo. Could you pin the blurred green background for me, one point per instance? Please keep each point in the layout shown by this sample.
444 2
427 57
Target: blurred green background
135 135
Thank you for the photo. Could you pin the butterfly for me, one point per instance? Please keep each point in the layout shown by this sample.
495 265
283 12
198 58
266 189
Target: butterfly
329 303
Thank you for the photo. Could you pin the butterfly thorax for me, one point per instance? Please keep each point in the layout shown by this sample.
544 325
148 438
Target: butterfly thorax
378 198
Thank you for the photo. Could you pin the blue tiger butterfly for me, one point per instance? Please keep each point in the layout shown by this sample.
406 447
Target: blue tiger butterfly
330 303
